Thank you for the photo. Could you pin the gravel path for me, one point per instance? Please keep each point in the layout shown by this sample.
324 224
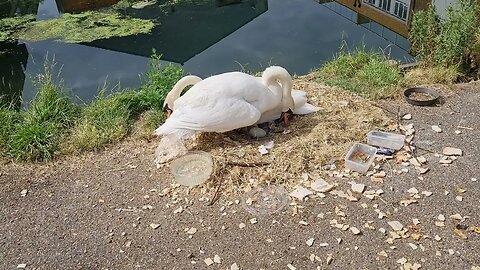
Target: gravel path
109 211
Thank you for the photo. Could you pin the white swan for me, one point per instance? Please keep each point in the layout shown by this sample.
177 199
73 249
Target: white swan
228 101
299 99
176 91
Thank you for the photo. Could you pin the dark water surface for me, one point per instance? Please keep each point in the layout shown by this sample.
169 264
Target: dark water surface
205 37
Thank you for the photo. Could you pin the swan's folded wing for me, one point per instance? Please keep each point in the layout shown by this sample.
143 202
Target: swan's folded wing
221 116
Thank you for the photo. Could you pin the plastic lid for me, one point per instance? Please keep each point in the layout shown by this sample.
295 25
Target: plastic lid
192 169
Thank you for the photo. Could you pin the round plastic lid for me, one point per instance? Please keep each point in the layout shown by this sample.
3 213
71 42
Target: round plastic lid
192 169
265 200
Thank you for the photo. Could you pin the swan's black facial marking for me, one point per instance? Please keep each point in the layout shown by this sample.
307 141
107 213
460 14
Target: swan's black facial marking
166 109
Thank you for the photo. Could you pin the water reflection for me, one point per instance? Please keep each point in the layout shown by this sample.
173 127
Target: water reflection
205 37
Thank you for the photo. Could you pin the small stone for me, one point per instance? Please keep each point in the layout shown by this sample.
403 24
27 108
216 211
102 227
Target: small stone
383 254
451 252
208 261
329 259
436 129
413 190
396 226
441 217
439 223
402 261
355 231
23 193
154 225
310 241
217 259
21 266
241 225
451 151
256 132
407 117
458 132
445 161
253 220
323 244
321 185
427 193
304 223
291 267
300 193
413 246
192 231
422 170
415 221
437 238
380 174
474 179
456 217
234 267
358 188
459 198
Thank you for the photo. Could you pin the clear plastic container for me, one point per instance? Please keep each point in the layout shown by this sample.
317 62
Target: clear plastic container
386 139
265 200
192 169
360 157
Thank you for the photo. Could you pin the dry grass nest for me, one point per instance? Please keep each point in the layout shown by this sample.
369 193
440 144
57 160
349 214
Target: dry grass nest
309 143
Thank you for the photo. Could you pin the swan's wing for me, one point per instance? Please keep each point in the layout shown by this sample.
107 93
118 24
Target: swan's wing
220 116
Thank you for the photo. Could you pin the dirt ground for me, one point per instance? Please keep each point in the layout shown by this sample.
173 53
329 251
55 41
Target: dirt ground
111 210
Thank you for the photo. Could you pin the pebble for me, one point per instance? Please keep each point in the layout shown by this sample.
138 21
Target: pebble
217 259
458 132
234 267
436 129
23 193
22 265
452 151
208 261
459 198
154 225
358 188
441 217
407 117
241 225
192 231
437 238
355 231
291 267
310 241
396 226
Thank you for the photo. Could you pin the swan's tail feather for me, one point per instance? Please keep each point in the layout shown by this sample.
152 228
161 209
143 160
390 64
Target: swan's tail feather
306 109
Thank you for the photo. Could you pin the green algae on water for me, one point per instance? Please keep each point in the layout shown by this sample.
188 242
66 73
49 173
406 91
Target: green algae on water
10 27
86 27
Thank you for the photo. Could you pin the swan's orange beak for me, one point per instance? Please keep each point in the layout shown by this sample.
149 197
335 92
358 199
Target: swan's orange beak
287 116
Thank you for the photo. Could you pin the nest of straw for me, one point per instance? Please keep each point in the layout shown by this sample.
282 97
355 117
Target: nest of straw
309 143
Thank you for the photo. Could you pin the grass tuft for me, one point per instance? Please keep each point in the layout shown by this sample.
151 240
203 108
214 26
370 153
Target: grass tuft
147 123
47 117
104 121
366 73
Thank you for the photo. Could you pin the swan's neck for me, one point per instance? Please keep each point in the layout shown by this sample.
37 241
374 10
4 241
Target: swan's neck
177 89
275 76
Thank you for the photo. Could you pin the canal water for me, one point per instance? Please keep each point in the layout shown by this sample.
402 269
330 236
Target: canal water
205 37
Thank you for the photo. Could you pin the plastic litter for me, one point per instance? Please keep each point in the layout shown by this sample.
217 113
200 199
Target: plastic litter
386 139
169 148
265 200
360 157
192 169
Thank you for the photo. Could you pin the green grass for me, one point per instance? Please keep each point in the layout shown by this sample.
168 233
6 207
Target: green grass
365 73
147 123
36 135
449 41
104 121
9 119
